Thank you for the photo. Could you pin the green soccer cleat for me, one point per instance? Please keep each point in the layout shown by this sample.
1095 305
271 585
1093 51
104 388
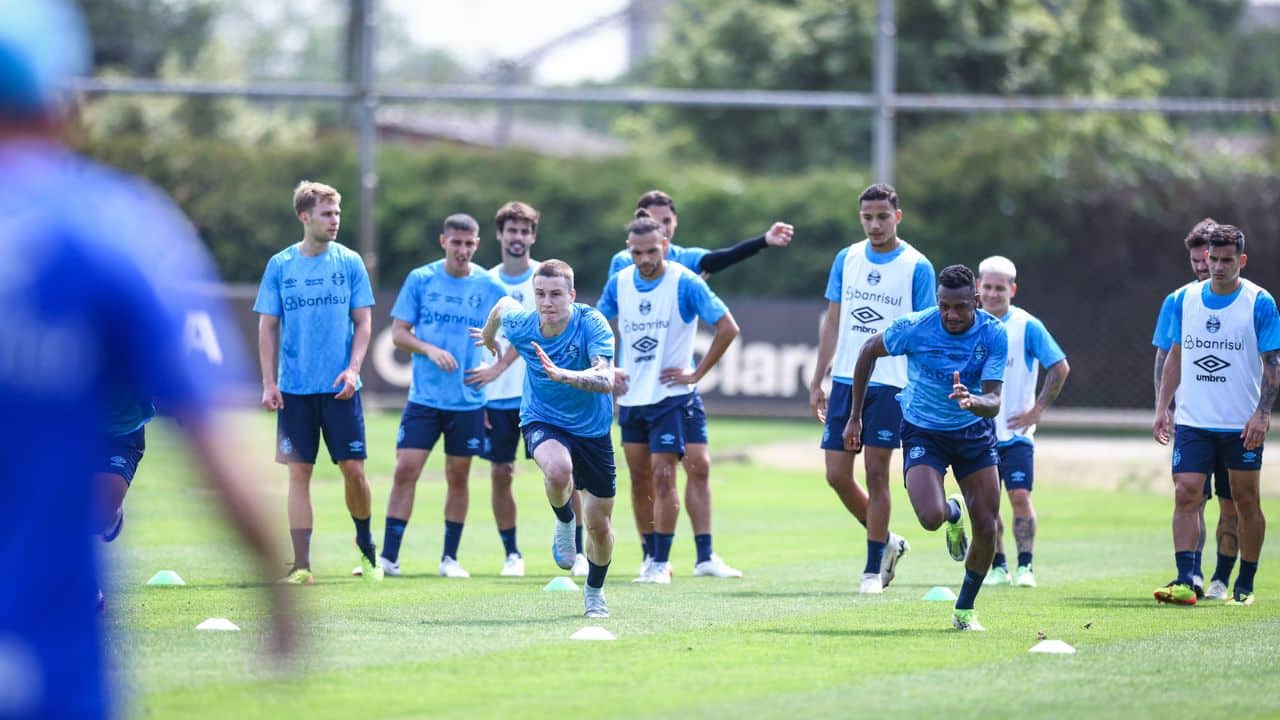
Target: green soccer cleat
1024 577
370 570
1176 593
966 620
998 576
957 540
1241 598
297 576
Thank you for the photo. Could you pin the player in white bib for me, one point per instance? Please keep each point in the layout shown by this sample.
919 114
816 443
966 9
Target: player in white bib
1224 373
657 305
1031 347
872 283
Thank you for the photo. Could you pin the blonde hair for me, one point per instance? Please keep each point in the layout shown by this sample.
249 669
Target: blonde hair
308 193
998 265
555 269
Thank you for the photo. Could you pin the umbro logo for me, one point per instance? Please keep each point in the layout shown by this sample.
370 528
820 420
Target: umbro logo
1018 476
667 438
645 344
866 315
473 443
1212 364
355 446
290 283
517 296
117 461
885 434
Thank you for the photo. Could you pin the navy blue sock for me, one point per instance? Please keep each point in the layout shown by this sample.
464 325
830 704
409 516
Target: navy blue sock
953 512
662 546
452 537
703 544
1222 573
509 540
650 544
564 514
969 590
1186 561
1244 581
999 561
1199 564
1024 559
577 539
596 573
364 536
875 553
301 538
391 537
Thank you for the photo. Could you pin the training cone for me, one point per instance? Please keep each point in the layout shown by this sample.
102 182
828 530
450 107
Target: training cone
591 632
218 624
561 584
939 592
1053 647
166 577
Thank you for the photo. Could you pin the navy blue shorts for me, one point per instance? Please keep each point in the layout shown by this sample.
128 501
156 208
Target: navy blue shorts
502 435
124 452
302 419
881 416
660 425
1219 482
1017 465
421 427
1200 451
592 458
695 421
966 451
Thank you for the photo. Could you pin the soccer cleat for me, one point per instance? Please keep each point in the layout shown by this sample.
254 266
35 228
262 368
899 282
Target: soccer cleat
580 566
1024 577
999 575
957 540
871 584
450 568
1241 598
644 565
1217 591
369 570
894 549
513 566
563 548
593 601
1197 584
715 567
659 573
1176 593
388 567
966 620
114 531
297 576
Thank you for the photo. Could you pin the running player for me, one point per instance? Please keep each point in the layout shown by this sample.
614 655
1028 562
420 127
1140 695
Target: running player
565 413
951 350
1224 395
872 283
1030 348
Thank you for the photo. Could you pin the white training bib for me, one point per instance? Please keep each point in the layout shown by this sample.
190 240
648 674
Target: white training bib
873 296
653 336
1221 369
510 384
1019 392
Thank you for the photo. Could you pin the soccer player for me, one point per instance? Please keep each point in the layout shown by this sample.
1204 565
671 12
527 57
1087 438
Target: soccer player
697 459
872 283
1030 348
952 350
85 312
125 441
565 412
657 305
315 320
1225 394
437 304
1197 244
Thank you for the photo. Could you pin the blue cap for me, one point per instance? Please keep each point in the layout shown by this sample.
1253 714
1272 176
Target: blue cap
42 44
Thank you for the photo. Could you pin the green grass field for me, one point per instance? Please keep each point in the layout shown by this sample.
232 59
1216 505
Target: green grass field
793 639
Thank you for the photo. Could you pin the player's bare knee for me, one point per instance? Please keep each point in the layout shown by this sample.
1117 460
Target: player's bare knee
931 518
697 468
502 474
1188 496
1020 500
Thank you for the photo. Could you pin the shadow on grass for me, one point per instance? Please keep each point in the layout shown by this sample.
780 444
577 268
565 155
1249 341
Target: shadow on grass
1111 602
785 594
860 632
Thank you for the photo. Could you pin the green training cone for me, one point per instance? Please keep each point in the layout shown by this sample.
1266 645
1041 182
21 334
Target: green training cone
561 584
166 577
939 592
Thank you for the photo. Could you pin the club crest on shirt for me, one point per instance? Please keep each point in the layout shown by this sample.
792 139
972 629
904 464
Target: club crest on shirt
980 353
645 307
1213 324
873 277
338 278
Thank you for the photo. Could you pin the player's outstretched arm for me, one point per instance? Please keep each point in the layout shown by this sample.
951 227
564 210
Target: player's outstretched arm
1162 426
779 235
862 369
597 378
268 356
1054 379
828 333
1255 431
726 331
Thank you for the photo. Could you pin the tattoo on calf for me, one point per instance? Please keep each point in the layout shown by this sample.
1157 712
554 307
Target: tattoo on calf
1024 532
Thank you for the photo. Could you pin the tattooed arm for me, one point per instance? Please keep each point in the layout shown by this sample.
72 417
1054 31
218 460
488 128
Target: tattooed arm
598 378
1054 379
1255 430
1161 356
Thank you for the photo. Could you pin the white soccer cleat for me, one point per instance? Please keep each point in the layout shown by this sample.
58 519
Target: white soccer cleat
580 566
513 566
871 584
562 545
1217 591
450 568
715 567
894 549
659 573
388 567
593 601
644 565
